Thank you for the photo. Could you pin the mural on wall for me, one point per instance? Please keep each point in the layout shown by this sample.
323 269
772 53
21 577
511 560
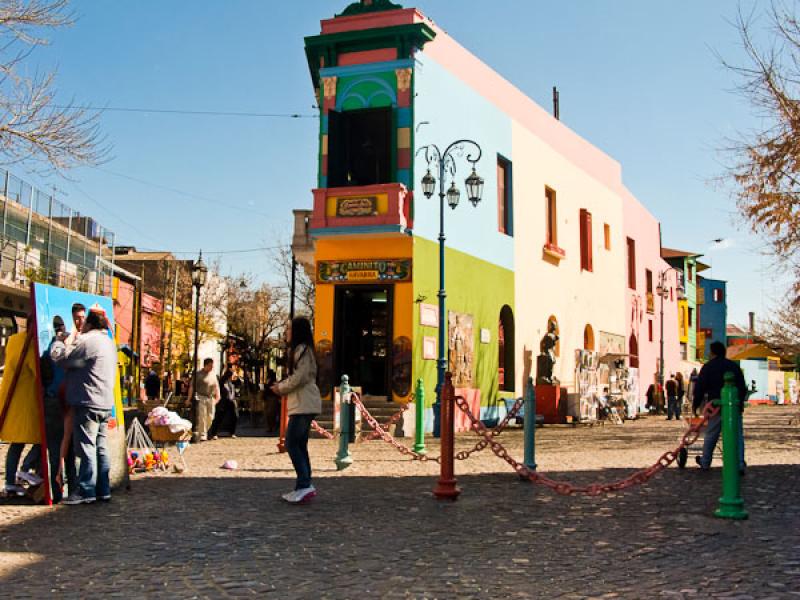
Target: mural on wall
461 347
401 367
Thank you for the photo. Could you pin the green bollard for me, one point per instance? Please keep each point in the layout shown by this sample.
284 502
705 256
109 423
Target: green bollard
530 426
343 458
731 505
419 428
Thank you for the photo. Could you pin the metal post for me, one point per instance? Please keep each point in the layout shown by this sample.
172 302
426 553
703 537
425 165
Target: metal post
446 488
343 458
196 350
30 215
731 505
663 282
172 318
284 424
530 426
49 236
441 363
419 429
294 280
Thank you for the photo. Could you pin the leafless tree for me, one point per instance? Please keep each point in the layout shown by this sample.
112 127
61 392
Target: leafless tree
305 291
33 127
766 171
782 330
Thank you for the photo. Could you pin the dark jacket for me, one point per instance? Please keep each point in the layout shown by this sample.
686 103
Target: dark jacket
672 387
711 379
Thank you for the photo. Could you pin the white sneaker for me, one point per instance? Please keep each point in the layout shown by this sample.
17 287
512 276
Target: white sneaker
14 490
303 495
29 478
288 496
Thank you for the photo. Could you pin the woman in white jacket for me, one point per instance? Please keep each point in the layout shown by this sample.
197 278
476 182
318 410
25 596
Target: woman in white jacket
303 404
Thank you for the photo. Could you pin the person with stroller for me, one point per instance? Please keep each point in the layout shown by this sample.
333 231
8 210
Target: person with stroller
708 388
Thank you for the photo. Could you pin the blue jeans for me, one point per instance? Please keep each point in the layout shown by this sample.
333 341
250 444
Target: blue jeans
712 436
673 407
297 445
89 439
13 457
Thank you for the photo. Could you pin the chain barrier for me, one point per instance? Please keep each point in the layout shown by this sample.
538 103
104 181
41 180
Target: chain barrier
381 433
386 436
594 489
374 435
322 431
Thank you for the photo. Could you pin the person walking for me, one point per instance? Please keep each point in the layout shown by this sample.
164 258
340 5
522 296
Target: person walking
681 393
672 398
226 412
152 384
303 403
272 405
90 365
207 397
708 388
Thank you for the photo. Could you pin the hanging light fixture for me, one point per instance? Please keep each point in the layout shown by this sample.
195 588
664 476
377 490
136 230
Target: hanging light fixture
428 184
453 195
474 185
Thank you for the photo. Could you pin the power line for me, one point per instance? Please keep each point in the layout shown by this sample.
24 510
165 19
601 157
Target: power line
203 113
218 252
213 201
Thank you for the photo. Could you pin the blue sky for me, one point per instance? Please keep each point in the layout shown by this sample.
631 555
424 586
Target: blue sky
639 79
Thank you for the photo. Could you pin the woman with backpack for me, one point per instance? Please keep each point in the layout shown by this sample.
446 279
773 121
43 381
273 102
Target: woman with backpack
303 404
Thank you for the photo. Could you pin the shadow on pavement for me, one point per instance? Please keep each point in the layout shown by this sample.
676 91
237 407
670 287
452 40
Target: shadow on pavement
388 537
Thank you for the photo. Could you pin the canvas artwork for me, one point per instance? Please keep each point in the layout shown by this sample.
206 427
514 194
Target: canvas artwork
461 348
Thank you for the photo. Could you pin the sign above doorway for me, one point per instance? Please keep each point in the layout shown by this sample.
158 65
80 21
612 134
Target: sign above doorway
364 271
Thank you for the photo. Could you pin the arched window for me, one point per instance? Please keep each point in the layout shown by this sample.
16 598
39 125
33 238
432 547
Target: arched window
588 338
633 350
553 321
505 338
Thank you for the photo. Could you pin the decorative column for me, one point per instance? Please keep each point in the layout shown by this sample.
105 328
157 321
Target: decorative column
328 104
404 125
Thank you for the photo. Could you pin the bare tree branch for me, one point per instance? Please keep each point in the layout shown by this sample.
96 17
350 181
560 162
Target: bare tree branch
32 126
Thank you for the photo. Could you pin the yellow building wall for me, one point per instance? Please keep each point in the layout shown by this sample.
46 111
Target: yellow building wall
359 248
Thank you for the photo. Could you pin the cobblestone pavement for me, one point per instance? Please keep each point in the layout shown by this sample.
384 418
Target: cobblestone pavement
376 531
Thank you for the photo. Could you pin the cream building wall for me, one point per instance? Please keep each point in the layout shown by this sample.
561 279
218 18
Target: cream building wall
575 297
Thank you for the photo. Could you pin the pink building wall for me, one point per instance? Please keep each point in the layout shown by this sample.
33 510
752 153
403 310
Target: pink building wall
123 311
152 308
643 228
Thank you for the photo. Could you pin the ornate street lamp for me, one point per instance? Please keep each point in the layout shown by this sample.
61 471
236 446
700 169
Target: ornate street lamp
445 163
663 293
199 276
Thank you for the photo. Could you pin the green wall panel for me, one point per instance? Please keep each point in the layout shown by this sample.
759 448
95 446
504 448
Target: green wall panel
473 287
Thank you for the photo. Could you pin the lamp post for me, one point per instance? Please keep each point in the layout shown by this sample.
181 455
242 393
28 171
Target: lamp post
663 292
199 275
445 162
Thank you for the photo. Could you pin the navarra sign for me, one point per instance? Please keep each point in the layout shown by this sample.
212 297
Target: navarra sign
362 271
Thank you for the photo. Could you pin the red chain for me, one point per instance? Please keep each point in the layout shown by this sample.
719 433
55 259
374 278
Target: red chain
374 435
321 430
565 488
385 435
380 433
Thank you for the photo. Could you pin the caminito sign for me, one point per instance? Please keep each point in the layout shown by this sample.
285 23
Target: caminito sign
362 271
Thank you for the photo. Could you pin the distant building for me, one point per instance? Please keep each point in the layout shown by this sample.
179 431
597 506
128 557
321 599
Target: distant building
687 265
46 241
712 308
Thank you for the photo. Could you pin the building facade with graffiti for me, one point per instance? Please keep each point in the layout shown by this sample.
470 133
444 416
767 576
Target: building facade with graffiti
544 250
